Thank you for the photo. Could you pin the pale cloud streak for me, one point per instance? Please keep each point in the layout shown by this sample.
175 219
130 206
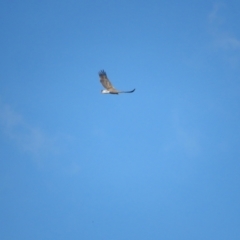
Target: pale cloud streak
213 16
183 139
27 138
229 42
223 39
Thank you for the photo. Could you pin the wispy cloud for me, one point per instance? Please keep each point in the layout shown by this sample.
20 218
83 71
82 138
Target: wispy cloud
187 139
213 16
26 137
223 38
229 42
183 139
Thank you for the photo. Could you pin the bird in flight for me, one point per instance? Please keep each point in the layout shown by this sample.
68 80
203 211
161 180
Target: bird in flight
107 84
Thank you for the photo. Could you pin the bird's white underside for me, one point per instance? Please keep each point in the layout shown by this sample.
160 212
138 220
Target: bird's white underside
105 91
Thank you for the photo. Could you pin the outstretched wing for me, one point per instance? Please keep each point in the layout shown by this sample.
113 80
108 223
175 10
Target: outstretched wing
105 81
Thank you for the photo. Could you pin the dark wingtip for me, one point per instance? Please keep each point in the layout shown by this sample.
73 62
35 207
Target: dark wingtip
132 90
129 91
102 73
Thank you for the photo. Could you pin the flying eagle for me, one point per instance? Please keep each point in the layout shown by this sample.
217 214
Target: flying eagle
107 84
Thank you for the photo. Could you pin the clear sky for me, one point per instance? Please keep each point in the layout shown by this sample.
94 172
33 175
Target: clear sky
161 163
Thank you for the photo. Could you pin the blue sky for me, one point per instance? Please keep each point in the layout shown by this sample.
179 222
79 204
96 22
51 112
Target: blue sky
161 163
